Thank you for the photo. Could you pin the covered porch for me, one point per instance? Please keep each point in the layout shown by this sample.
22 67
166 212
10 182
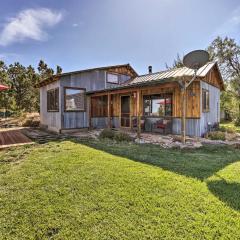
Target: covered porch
154 108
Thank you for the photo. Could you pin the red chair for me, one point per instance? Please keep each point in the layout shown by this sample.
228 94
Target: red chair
165 126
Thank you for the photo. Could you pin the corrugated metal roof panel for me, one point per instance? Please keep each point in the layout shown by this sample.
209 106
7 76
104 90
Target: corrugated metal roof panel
173 73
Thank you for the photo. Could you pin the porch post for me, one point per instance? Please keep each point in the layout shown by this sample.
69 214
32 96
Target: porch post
109 110
138 113
183 122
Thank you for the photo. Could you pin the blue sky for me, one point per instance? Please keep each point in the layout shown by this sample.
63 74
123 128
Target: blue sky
78 34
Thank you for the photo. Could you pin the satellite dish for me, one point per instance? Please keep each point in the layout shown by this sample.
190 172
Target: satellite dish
196 59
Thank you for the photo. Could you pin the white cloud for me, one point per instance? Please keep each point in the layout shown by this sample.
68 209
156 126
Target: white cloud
29 24
78 24
75 25
231 27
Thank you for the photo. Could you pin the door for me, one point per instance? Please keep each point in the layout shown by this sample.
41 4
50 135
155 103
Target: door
125 111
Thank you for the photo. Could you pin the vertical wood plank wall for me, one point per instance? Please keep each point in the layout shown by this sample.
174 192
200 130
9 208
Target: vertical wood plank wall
193 99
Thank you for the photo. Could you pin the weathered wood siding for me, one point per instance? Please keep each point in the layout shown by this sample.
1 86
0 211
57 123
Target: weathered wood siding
91 81
193 107
213 78
193 99
213 115
51 120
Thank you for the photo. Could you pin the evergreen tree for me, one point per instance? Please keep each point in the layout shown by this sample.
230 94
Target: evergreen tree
59 70
44 71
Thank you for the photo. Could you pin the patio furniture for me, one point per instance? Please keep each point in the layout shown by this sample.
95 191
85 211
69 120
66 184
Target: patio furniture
163 126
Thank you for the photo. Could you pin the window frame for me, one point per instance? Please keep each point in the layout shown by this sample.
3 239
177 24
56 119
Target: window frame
48 103
154 96
116 74
76 110
204 108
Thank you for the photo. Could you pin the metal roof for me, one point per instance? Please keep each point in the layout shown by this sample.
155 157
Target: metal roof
171 74
163 77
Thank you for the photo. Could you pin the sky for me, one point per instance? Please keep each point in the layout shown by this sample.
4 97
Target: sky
80 34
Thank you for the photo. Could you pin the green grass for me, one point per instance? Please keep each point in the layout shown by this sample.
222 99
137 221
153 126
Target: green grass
230 126
102 190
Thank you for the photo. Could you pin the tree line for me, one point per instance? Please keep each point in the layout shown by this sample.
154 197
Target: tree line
22 95
227 53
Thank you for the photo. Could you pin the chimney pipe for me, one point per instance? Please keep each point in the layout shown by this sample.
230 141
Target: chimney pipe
149 69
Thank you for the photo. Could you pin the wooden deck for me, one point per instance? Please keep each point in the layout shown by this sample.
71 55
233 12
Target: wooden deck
12 138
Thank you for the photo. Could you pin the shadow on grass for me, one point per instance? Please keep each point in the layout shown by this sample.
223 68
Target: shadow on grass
198 163
228 193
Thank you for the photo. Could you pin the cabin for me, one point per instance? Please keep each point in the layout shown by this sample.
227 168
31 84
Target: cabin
117 97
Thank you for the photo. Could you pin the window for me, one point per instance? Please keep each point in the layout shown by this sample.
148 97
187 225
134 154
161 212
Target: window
74 99
53 100
158 105
112 78
99 106
205 100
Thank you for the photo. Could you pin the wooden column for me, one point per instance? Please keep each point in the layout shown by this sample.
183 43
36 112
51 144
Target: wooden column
109 110
138 113
183 122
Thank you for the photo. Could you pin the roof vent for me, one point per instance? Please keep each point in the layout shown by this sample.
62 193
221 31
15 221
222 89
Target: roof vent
149 69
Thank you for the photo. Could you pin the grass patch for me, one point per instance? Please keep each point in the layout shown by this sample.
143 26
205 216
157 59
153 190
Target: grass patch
107 190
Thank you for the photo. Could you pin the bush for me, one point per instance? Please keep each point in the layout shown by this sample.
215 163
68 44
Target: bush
122 137
31 123
117 136
217 135
230 130
107 133
226 129
237 122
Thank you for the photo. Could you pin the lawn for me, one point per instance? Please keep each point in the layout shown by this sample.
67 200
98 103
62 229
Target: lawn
103 190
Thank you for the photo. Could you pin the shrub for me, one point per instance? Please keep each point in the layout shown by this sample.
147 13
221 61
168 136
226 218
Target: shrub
226 129
122 137
107 133
31 123
230 130
222 129
237 122
216 135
